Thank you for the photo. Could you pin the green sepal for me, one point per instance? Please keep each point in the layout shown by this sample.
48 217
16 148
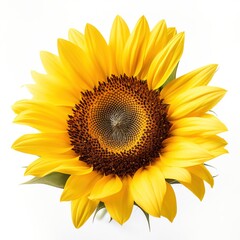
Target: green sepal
148 220
54 179
171 77
146 215
100 206
172 181
210 166
211 111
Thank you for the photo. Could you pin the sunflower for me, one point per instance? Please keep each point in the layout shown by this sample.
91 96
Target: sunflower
116 128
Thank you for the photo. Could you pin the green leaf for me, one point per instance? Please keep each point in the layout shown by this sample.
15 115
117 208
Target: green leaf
171 77
53 179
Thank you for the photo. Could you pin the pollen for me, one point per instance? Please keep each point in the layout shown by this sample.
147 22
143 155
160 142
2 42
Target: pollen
119 126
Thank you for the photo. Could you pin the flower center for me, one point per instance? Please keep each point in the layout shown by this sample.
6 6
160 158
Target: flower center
117 120
119 127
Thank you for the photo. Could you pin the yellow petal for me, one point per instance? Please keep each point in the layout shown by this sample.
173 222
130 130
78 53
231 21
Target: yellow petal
51 63
77 38
120 205
43 144
202 172
48 88
54 67
42 116
164 63
196 78
134 51
213 144
118 37
171 32
195 102
169 205
79 185
22 105
175 173
82 209
179 152
157 41
196 186
148 189
43 166
99 51
197 126
77 65
105 187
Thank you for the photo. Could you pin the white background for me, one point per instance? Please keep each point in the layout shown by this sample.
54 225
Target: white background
33 212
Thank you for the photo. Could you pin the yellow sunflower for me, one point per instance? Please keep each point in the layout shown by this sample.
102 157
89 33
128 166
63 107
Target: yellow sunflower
116 128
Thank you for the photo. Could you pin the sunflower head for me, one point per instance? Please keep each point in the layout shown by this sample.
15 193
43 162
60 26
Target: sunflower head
119 127
116 126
